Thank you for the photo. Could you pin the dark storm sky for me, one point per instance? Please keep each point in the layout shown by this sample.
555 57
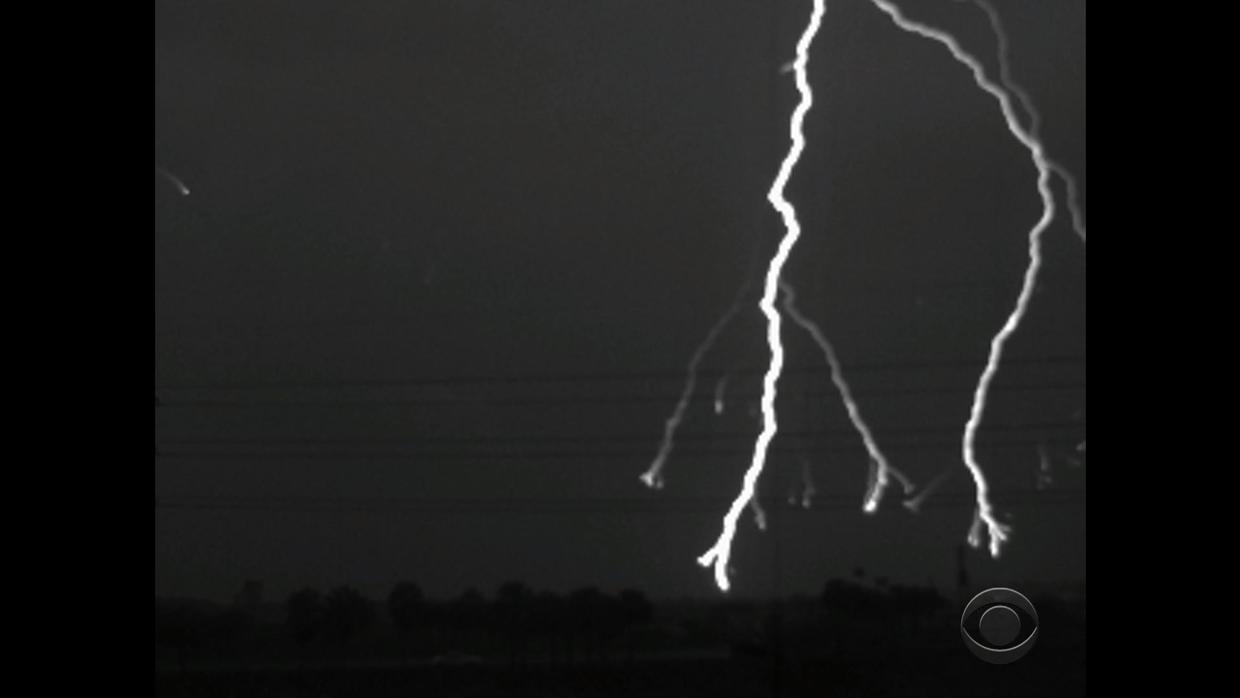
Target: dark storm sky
430 300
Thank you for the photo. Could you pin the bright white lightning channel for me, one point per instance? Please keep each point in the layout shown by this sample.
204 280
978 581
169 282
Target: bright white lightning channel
882 470
176 182
1035 119
721 551
653 477
984 513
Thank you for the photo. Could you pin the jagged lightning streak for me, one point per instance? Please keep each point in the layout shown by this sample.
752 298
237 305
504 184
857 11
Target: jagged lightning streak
653 477
881 470
985 513
1035 119
719 554
176 182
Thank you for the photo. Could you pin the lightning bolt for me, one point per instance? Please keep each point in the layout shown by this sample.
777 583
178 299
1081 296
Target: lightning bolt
1035 119
721 551
914 504
720 387
882 471
175 181
1044 478
653 477
759 514
807 481
975 530
984 513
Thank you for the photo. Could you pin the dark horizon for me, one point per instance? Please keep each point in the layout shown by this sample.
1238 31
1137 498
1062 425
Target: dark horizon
524 641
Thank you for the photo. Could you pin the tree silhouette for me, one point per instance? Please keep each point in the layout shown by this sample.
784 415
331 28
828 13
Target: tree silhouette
591 617
466 615
346 614
851 601
548 621
231 629
636 611
512 606
912 606
406 607
179 626
304 613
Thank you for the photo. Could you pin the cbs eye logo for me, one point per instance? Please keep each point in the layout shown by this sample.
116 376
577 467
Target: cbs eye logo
999 625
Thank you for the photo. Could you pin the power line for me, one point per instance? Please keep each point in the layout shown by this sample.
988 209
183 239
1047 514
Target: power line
592 505
677 374
196 324
524 401
951 448
596 438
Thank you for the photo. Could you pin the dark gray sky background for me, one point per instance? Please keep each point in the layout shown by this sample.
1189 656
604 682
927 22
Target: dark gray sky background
430 300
